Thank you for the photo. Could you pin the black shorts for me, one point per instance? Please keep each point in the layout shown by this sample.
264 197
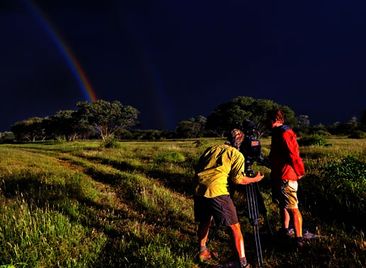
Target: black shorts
221 208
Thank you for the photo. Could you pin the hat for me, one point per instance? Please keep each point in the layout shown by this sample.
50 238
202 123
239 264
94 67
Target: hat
236 137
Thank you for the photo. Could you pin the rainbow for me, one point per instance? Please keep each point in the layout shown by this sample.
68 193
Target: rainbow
71 60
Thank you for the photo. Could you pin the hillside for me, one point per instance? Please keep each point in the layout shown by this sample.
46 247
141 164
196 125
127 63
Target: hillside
80 205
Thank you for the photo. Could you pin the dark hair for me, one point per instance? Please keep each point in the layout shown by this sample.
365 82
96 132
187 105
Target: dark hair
276 115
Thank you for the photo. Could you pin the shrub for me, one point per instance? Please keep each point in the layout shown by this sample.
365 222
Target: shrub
345 190
322 132
357 134
200 143
312 140
7 137
339 190
124 134
170 157
110 142
349 168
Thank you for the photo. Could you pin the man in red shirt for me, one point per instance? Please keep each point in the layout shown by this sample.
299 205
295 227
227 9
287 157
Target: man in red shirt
287 168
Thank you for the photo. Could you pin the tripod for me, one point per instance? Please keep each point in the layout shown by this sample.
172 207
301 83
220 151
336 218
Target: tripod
253 210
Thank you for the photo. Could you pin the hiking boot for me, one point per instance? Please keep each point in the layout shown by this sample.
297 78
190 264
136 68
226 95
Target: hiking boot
300 242
308 235
233 264
286 233
291 232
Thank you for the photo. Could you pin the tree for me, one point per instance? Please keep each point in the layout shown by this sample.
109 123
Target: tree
303 125
31 129
191 128
107 117
233 113
7 137
65 123
303 122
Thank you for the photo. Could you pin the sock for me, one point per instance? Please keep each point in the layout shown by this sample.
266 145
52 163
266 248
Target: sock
243 262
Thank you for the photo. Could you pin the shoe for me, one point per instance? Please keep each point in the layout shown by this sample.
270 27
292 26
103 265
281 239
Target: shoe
204 256
300 242
233 264
308 235
291 232
286 233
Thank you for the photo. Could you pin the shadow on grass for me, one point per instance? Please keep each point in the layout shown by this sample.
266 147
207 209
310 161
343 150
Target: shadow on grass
56 197
342 208
91 214
177 182
131 193
36 194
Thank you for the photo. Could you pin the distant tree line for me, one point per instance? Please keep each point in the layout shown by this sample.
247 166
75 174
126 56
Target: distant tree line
100 119
353 128
104 120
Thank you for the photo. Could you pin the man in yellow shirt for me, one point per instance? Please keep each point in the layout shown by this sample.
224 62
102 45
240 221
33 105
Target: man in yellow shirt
217 166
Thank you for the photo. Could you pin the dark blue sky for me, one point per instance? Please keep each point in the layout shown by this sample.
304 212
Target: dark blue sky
173 60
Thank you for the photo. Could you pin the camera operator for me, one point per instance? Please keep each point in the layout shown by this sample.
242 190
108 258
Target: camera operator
217 166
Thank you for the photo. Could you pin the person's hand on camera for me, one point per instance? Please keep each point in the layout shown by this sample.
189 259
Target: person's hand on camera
258 177
248 180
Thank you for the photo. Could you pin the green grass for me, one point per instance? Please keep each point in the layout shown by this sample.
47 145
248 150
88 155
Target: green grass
80 204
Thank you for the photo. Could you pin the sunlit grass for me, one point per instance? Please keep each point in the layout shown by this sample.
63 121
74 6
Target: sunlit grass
81 205
35 237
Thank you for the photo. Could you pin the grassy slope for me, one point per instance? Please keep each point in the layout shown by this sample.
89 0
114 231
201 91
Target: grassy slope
78 205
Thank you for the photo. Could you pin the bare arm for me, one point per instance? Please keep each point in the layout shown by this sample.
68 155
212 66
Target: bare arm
248 180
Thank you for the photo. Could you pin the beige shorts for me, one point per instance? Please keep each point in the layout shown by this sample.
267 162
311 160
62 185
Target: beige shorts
287 196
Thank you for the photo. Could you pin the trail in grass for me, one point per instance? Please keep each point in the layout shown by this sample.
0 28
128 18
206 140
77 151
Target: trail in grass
131 208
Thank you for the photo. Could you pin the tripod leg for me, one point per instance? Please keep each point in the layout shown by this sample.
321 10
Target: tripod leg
253 216
262 208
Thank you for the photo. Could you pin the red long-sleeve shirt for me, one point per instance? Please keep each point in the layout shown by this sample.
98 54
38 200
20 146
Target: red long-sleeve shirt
286 162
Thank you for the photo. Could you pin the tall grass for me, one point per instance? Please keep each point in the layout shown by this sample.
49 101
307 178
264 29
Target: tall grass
83 204
34 237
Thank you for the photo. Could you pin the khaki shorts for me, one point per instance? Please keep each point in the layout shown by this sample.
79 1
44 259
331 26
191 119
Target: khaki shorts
286 194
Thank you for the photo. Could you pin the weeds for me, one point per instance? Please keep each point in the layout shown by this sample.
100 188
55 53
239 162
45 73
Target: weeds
79 205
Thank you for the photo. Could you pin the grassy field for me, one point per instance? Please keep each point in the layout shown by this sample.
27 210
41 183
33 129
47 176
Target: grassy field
80 205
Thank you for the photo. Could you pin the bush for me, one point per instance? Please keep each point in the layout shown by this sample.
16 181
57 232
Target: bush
357 134
7 137
349 168
170 157
322 132
200 143
110 142
340 191
124 134
346 189
312 140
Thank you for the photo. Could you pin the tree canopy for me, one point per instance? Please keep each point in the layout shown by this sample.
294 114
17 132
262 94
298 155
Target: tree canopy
30 129
233 113
107 117
191 128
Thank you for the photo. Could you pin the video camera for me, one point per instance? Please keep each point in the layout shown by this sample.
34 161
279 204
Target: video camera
251 148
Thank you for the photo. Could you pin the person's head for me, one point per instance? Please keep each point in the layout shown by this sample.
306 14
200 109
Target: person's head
236 137
276 117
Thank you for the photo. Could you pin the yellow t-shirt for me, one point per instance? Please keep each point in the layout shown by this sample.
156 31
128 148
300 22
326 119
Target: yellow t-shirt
216 166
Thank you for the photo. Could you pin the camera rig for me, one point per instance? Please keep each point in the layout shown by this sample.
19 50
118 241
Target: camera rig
252 150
